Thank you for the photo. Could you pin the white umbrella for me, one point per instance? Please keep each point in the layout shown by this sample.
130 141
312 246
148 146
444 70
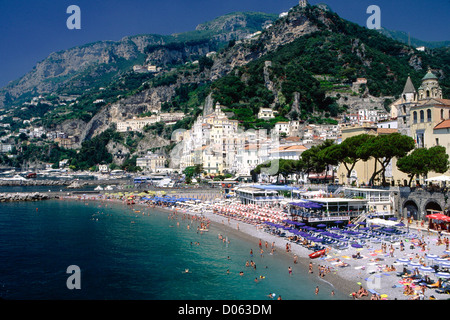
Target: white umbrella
441 261
427 269
415 264
439 178
403 260
444 275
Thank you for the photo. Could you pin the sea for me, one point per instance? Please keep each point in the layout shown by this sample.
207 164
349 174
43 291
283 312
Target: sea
90 250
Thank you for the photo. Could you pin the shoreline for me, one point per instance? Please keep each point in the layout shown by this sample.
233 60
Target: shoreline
367 272
253 234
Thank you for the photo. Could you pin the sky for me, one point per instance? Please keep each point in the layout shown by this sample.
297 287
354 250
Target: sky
30 30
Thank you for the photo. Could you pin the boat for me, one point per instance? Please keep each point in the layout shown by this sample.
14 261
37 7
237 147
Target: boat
318 254
98 188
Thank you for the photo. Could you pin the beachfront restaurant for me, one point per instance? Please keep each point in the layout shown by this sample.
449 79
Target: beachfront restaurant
328 209
258 195
379 202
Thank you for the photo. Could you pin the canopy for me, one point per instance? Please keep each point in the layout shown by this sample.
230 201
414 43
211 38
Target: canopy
307 205
439 216
439 178
382 222
275 187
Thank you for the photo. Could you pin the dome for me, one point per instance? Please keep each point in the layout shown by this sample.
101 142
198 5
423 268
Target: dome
430 76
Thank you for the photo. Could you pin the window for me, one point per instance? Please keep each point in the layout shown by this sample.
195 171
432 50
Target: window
422 116
415 116
429 115
442 114
420 139
437 141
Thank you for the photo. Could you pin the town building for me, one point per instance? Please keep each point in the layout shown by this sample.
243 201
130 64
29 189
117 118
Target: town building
151 162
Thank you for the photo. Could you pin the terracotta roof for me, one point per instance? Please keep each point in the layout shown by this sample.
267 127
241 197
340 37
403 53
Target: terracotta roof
434 101
443 125
386 130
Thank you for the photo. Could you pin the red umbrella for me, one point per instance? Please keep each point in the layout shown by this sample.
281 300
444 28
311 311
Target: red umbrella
439 216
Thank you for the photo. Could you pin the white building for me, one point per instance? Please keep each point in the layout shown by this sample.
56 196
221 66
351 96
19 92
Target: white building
266 113
151 162
136 124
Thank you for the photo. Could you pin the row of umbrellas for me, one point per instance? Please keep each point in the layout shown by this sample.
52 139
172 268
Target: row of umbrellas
432 257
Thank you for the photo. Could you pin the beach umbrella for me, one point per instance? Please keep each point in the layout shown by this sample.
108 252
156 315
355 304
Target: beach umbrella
403 260
426 269
401 224
339 222
432 256
444 275
440 260
415 264
321 226
356 245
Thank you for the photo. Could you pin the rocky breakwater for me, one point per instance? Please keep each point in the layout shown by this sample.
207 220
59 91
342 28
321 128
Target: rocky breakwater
23 196
34 182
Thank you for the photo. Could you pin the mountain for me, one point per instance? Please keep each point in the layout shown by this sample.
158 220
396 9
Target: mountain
301 65
405 38
96 64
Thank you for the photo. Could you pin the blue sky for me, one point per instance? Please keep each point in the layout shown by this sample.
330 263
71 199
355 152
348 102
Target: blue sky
32 29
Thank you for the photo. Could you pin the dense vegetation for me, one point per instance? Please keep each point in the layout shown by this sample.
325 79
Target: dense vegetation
341 51
382 149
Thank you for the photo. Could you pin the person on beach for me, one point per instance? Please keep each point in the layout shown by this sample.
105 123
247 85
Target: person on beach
290 270
317 290
310 267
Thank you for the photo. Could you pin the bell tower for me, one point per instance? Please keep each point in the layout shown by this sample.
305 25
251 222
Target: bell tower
430 87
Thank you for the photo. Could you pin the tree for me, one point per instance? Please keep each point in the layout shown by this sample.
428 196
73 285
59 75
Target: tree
422 161
327 155
383 149
348 152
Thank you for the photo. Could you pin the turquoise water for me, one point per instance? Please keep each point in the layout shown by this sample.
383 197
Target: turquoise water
124 254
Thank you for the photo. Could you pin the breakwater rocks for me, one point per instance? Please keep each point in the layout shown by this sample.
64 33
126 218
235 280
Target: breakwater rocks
23 196
32 182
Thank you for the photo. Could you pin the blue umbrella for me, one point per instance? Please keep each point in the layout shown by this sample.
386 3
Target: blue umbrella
403 260
444 275
426 269
356 245
321 226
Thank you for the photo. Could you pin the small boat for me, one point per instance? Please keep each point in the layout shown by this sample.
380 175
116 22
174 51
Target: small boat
318 254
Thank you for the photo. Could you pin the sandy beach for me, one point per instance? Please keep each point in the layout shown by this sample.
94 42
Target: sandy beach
367 271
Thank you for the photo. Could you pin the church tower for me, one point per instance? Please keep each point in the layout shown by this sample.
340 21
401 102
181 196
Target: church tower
408 99
430 87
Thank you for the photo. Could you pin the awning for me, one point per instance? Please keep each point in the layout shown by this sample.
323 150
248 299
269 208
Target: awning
382 222
438 216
